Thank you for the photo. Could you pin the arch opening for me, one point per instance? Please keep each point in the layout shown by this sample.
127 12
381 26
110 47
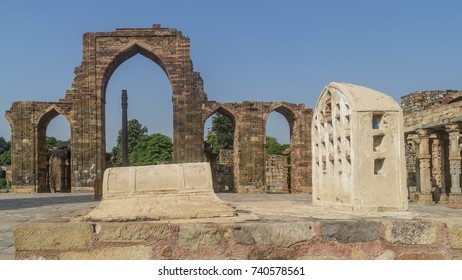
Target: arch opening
53 162
150 108
219 138
278 149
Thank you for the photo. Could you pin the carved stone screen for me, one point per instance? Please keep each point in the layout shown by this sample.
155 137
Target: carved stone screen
358 149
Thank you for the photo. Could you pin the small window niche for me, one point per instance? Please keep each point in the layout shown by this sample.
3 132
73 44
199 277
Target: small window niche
378 166
376 120
377 142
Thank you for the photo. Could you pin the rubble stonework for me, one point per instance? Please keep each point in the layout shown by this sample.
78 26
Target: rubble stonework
421 100
83 106
276 173
358 149
249 119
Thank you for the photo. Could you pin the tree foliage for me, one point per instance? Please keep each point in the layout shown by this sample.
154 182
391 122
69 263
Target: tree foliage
221 134
5 152
152 149
52 142
143 149
273 147
135 131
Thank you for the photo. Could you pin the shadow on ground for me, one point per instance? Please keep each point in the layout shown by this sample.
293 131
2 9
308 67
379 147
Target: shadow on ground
22 203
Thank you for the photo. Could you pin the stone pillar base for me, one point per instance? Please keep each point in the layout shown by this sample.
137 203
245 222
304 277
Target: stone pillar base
444 198
425 199
455 200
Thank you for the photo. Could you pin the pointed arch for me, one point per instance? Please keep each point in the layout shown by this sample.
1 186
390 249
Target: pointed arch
49 114
125 53
222 109
285 110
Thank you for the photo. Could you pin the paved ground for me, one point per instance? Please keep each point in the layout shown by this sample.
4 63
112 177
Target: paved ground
20 208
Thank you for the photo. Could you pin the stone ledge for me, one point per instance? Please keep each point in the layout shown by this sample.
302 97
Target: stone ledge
53 236
413 232
218 239
350 231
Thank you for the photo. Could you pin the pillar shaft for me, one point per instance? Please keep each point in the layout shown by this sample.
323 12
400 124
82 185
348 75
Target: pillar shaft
454 156
124 140
424 162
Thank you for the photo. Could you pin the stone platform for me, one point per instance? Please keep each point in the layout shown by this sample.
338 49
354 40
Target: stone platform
267 227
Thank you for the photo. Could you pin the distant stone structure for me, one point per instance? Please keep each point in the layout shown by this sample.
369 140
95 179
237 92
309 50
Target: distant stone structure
432 126
358 149
58 166
84 108
277 175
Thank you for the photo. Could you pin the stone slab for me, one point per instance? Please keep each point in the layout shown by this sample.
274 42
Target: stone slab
53 236
413 232
279 234
159 192
350 231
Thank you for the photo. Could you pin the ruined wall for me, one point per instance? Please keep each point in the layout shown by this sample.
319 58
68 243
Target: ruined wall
249 120
29 121
277 173
58 179
421 100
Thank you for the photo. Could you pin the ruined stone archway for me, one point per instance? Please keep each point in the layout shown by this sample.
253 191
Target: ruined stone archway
297 117
223 165
170 50
41 159
103 52
84 107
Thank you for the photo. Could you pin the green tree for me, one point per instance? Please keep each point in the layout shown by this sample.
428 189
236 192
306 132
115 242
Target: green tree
135 132
5 152
221 134
52 142
152 149
273 147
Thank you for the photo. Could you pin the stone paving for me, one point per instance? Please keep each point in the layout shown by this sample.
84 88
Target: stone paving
20 208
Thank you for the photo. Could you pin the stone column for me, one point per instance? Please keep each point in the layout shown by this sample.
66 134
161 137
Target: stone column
412 166
425 195
443 169
455 196
124 140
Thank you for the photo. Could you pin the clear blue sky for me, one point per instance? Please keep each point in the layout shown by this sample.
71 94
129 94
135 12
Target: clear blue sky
244 50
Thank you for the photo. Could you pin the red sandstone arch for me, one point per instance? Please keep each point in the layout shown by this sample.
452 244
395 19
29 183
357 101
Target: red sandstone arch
43 121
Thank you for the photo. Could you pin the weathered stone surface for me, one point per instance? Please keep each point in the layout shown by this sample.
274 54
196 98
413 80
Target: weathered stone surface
193 236
387 255
132 232
111 253
172 191
455 235
53 236
350 231
277 234
413 232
